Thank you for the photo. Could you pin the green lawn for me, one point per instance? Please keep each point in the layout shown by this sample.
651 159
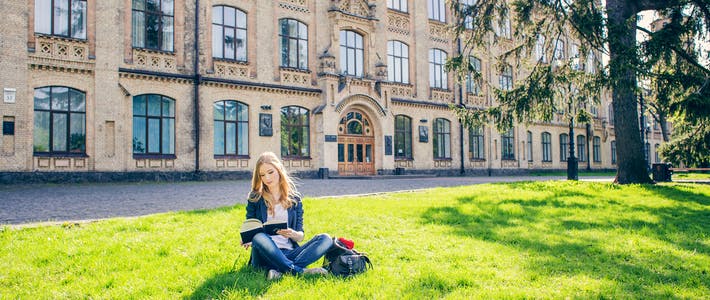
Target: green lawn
691 176
516 240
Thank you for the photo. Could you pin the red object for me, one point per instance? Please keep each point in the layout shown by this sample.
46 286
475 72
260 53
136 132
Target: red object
348 243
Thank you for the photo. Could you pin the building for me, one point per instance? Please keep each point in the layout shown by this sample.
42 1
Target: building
347 87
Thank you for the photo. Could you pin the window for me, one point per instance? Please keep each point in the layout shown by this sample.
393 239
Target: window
506 78
528 149
508 145
229 33
152 24
437 75
153 125
294 44
351 53
397 62
468 20
540 49
613 152
473 85
655 150
400 5
231 128
611 114
437 11
574 55
295 132
564 143
476 144
61 18
596 146
581 147
546 147
647 152
402 137
559 50
59 121
503 28
590 66
442 139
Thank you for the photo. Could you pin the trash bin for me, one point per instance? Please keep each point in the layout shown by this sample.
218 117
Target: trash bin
661 172
398 171
323 173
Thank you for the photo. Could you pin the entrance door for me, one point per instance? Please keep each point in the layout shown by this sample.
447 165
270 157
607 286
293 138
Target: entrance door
356 145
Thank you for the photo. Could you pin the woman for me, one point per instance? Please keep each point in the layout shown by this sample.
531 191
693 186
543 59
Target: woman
273 196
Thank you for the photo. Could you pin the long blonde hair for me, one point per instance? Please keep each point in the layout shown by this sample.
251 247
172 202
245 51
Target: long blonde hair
287 186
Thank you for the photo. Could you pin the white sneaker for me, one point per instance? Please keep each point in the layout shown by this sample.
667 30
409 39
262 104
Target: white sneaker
320 271
273 275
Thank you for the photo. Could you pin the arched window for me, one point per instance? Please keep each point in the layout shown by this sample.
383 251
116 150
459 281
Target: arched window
294 44
508 145
596 148
351 53
581 148
442 139
476 143
295 132
153 125
355 123
546 147
229 33
59 120
564 143
397 62
152 24
231 128
62 18
402 137
506 78
437 74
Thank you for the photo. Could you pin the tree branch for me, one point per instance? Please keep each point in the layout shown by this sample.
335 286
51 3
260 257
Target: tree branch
682 54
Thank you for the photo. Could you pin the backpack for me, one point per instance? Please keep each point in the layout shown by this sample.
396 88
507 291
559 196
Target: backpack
344 262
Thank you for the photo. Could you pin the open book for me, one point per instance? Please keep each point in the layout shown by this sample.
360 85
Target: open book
251 227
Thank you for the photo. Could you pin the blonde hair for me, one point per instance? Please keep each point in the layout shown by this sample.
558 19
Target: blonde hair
287 187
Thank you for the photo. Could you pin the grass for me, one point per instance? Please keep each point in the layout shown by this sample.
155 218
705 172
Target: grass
553 239
691 176
581 173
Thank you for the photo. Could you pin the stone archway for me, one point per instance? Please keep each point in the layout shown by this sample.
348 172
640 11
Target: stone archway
356 144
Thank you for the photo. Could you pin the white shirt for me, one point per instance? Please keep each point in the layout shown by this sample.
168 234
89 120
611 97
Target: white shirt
280 213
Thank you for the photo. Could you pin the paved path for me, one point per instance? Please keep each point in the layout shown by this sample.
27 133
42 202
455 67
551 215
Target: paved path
20 204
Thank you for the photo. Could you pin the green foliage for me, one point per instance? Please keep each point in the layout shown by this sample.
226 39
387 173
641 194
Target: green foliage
494 241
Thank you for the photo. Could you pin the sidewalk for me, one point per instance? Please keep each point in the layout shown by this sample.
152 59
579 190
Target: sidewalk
20 204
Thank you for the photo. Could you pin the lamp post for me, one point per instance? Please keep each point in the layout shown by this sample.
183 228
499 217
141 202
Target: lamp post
572 168
589 161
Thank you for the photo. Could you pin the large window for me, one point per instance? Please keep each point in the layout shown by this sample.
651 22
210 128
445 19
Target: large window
559 50
437 10
400 5
476 143
152 24
564 143
229 33
295 132
506 78
540 49
351 53
508 145
613 152
546 147
504 29
294 44
657 158
581 148
231 128
442 139
468 20
59 120
61 18
591 66
596 149
473 84
402 137
437 74
397 62
529 148
153 125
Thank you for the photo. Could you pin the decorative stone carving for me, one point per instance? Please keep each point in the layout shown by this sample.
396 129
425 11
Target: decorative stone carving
231 70
300 6
404 91
355 7
398 23
63 49
327 64
442 96
438 32
477 164
155 61
476 101
295 77
509 163
381 71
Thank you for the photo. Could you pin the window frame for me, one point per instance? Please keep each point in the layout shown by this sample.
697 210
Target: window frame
161 15
442 138
240 54
507 140
506 78
436 10
564 147
394 61
40 16
52 113
299 49
612 144
436 67
397 5
238 122
476 143
581 148
358 53
161 128
474 85
289 128
403 132
529 148
596 149
546 140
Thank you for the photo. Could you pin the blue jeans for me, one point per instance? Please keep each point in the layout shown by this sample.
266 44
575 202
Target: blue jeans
265 254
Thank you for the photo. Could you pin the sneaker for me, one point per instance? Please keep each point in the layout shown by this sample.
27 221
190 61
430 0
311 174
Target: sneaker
273 275
320 271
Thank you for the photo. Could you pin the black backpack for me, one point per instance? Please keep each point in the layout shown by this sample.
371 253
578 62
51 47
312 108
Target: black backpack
344 262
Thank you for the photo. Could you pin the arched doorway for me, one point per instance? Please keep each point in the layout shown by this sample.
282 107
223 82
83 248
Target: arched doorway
356 144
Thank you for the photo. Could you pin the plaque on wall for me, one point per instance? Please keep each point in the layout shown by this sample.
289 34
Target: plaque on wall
265 125
388 145
329 138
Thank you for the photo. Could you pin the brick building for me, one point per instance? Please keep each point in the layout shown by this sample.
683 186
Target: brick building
346 86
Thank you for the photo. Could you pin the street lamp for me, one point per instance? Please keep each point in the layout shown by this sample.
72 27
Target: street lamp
572 168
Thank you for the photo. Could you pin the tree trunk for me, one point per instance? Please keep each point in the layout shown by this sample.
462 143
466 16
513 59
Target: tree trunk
664 126
632 167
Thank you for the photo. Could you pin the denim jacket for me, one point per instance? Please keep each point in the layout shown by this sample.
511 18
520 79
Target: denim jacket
258 210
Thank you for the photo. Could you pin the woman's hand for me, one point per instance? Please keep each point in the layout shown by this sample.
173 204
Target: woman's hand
247 245
291 234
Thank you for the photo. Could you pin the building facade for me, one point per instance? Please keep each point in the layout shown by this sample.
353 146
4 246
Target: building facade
347 87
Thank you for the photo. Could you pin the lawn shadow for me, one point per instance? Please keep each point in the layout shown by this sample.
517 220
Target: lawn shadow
245 281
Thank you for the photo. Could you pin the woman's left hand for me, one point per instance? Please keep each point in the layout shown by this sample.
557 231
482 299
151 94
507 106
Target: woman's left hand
291 234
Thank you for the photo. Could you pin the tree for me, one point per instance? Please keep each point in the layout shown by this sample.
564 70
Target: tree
612 32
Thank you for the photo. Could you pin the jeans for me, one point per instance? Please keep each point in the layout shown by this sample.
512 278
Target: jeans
265 254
